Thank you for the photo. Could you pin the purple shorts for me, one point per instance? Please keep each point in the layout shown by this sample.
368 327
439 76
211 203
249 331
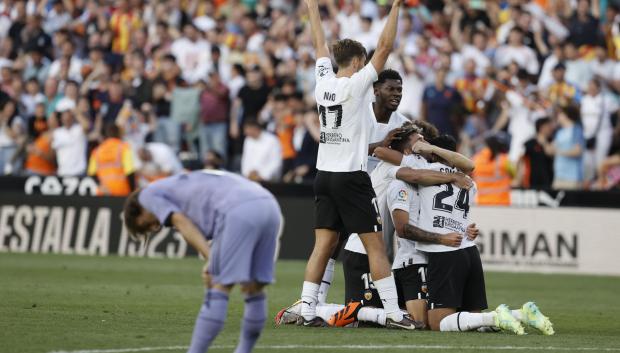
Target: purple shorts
244 243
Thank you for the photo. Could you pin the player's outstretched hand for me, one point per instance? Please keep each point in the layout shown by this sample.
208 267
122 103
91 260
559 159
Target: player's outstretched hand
206 276
463 181
472 231
451 239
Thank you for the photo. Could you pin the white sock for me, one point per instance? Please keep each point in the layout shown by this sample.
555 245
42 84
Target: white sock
517 314
389 297
464 321
370 314
325 311
309 295
328 276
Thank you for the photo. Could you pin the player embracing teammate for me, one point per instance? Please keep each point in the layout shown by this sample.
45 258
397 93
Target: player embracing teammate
344 197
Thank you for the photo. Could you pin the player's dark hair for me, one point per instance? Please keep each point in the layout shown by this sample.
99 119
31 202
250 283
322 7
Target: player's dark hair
428 130
388 74
346 49
402 139
131 212
445 141
542 122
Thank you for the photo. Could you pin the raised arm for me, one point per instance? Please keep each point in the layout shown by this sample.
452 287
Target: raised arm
430 177
387 154
386 40
454 159
318 37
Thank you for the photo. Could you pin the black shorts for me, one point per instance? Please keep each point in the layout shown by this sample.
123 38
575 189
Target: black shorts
346 200
456 280
410 283
358 284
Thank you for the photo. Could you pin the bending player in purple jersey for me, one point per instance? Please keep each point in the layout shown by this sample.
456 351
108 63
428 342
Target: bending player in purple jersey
243 221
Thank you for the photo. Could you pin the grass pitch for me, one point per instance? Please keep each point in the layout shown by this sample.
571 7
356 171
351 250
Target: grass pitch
112 305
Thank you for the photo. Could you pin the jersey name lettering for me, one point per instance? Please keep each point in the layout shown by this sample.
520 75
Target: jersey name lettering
329 96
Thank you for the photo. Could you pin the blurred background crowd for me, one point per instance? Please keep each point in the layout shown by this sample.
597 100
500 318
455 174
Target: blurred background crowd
147 88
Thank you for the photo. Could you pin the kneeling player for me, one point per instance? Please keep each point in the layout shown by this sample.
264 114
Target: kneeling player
455 275
243 220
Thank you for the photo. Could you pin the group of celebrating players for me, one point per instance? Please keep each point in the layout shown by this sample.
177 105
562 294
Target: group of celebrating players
413 185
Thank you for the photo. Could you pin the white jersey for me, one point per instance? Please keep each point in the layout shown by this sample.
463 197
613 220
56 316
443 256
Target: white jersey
380 131
346 121
444 209
404 196
381 177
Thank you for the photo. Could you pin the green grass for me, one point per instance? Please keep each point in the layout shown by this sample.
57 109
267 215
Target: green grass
53 302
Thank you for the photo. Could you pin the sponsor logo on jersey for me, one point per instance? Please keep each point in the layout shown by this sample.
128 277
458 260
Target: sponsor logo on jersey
448 223
333 138
402 195
323 70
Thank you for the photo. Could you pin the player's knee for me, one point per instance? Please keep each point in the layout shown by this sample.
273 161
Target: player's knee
252 288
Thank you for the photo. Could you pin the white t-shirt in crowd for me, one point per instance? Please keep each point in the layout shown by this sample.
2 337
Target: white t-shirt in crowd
594 108
164 160
262 154
404 196
70 147
346 122
524 56
193 58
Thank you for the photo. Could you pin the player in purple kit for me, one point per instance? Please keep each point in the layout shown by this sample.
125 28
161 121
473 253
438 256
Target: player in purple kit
243 221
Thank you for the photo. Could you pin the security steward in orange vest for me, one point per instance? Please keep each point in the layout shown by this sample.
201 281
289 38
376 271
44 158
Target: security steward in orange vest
493 173
40 159
112 163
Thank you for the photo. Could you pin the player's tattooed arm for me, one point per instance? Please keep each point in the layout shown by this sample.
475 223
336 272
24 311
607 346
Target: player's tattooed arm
412 232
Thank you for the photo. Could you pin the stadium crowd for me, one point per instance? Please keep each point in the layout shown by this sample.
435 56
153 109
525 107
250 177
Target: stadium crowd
229 84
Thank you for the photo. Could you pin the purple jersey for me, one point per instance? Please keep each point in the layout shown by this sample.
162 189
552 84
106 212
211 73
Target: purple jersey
202 196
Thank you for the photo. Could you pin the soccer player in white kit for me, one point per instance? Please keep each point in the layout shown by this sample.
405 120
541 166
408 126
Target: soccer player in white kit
344 195
456 288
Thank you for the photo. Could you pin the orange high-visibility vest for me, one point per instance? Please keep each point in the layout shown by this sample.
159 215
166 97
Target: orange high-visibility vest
109 158
37 164
492 178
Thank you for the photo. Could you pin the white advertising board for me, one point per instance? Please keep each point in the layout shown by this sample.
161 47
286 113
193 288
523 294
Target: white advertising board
549 240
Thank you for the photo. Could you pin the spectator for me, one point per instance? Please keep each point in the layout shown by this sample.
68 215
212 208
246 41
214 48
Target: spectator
185 111
36 65
536 167
560 92
112 164
262 154
568 148
214 109
69 139
493 173
578 71
306 143
31 97
156 161
137 124
12 137
74 62
40 157
213 160
516 51
596 110
440 105
192 54
583 26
